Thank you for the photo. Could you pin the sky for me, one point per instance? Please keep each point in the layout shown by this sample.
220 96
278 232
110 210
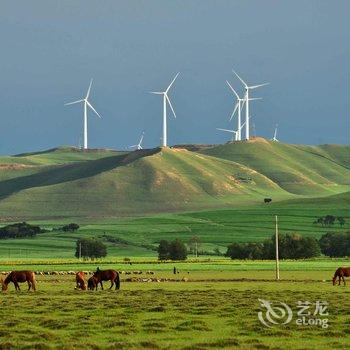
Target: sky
51 49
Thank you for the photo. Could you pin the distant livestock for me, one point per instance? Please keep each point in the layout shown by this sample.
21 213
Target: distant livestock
19 277
267 200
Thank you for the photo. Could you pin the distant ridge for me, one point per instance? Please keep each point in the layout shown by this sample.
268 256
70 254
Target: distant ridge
68 182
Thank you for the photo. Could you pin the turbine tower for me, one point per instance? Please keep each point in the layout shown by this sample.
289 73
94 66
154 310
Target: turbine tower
166 101
238 107
87 104
234 132
275 135
247 99
139 145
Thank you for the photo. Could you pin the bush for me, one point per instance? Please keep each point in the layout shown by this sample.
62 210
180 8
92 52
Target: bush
19 230
70 227
175 250
90 248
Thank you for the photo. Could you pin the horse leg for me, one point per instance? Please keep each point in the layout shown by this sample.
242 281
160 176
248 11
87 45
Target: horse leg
29 285
112 284
344 280
17 286
339 280
101 285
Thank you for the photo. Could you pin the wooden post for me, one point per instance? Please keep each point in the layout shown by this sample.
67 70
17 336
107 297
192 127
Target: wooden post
277 256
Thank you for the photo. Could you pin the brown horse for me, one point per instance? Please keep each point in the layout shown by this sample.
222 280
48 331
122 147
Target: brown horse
80 279
107 275
20 277
92 283
341 272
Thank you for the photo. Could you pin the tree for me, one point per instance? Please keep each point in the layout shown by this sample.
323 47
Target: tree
163 250
19 230
177 250
335 244
90 248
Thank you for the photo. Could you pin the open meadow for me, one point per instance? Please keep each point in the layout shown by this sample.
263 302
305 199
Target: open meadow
207 305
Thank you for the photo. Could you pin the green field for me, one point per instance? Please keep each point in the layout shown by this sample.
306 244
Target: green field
216 229
215 309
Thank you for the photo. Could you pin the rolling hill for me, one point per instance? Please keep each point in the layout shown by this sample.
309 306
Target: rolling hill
67 182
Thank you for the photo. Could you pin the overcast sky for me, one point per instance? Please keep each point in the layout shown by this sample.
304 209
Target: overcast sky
51 49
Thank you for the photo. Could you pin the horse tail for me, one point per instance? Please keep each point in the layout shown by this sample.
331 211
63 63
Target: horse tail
117 281
33 281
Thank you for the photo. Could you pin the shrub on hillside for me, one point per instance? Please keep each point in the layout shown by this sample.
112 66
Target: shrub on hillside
70 227
20 230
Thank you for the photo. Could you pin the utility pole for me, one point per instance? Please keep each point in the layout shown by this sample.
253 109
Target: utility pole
277 255
79 251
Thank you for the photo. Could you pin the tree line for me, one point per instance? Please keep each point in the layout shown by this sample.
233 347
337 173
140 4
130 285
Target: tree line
293 246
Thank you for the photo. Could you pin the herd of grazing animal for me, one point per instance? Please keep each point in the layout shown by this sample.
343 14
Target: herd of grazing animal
99 276
96 279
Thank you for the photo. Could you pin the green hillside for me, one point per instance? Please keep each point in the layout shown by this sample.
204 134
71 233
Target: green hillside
302 170
69 182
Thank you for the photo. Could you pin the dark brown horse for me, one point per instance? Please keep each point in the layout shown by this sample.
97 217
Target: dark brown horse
92 283
80 279
19 277
107 275
340 274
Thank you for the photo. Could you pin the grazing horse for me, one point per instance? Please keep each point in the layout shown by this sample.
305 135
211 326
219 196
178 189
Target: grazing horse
80 279
92 283
107 275
20 277
341 272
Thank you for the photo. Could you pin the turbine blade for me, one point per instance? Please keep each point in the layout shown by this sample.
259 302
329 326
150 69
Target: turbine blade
233 90
89 104
171 106
234 111
255 98
88 92
72 103
232 131
244 83
256 86
172 82
156 92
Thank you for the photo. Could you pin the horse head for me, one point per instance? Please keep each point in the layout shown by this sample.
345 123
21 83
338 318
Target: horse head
334 280
4 285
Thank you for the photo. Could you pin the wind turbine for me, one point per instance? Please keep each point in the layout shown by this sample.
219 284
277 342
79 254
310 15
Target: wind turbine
238 107
235 132
275 134
247 99
87 104
139 145
166 101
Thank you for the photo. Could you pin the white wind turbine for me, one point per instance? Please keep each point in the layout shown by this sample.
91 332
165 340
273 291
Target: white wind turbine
234 132
139 145
238 107
247 99
86 105
275 135
166 101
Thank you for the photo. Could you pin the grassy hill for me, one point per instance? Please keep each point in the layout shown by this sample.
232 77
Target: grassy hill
68 182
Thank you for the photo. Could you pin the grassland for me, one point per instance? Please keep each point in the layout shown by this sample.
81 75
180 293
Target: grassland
215 309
